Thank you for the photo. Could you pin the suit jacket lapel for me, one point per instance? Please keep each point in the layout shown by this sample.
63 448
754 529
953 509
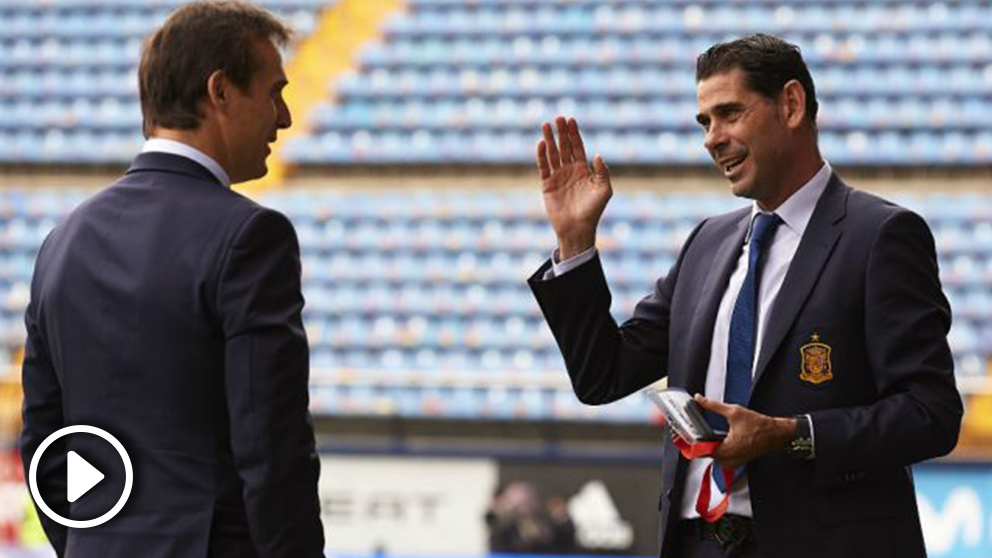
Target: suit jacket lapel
814 250
701 334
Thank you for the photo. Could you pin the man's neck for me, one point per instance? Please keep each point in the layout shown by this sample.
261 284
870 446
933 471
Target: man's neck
799 177
177 144
197 139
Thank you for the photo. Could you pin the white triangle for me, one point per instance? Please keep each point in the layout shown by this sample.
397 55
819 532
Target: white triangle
81 477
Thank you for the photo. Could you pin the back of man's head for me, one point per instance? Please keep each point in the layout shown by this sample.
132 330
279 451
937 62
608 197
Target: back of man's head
197 40
768 62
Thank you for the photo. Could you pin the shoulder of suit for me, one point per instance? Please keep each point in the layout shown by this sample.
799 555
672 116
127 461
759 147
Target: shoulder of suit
723 221
225 206
871 210
730 217
228 200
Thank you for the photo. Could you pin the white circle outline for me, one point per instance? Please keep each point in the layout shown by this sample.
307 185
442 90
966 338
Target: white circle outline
33 476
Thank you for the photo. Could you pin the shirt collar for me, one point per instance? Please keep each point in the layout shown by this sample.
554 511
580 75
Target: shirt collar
796 211
161 145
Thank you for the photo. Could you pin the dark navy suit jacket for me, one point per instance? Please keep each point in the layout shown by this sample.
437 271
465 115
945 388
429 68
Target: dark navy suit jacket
863 283
166 309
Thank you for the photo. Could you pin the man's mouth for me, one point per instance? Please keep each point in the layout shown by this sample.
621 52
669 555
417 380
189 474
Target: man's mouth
730 165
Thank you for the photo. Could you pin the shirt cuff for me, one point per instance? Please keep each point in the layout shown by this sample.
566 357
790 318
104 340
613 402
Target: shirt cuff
561 268
812 437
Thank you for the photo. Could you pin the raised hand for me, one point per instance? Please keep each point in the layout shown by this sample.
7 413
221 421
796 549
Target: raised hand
574 195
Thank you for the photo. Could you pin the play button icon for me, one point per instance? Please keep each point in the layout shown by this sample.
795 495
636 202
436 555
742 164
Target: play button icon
81 477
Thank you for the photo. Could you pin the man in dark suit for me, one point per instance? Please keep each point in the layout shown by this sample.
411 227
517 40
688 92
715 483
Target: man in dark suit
166 310
811 325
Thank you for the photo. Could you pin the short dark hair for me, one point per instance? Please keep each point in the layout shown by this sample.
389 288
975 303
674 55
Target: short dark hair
768 62
195 41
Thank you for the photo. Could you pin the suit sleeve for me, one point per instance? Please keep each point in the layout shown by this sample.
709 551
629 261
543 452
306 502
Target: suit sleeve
606 362
918 411
42 416
266 380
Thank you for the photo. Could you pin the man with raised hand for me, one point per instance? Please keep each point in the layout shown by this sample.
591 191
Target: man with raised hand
811 325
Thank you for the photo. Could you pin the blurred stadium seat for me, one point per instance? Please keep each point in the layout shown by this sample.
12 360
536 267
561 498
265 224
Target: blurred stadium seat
456 81
416 302
417 305
469 81
68 91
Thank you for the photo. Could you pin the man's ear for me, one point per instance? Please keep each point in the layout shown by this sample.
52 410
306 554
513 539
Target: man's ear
218 88
793 103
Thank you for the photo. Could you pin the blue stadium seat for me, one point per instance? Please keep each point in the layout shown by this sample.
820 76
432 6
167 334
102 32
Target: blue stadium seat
888 72
71 64
497 68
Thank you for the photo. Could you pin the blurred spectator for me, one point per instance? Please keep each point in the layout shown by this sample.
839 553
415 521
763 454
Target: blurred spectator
517 523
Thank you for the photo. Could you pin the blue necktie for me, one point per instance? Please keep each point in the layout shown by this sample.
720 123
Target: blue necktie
743 328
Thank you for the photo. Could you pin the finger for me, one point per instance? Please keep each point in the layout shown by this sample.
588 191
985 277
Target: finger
543 166
578 149
717 407
564 141
726 458
549 140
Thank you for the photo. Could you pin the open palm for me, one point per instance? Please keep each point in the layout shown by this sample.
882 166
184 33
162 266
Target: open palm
574 195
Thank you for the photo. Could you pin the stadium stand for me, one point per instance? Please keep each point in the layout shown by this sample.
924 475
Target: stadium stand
424 337
416 302
901 83
68 87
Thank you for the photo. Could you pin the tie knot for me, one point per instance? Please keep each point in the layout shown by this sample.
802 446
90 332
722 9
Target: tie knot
764 227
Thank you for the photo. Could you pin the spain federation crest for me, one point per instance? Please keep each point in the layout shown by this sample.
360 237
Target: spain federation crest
816 368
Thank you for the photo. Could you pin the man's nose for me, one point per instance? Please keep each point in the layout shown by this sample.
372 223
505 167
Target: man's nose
715 137
285 119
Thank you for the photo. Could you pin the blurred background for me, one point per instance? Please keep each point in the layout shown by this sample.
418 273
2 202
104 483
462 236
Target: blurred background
444 416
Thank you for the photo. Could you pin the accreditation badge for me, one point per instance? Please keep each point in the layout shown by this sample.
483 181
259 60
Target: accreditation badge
816 367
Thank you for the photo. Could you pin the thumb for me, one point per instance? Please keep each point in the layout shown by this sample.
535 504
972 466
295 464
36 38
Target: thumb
602 171
717 407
